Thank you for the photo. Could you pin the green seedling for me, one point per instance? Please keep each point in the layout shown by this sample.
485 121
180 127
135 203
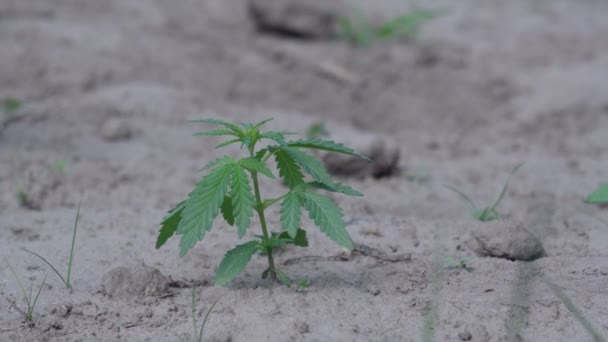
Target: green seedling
419 175
358 30
67 280
458 263
317 131
198 332
227 189
599 196
60 166
10 105
488 213
30 301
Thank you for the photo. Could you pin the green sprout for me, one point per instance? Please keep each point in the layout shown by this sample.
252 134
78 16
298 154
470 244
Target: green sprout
227 188
30 301
488 213
317 130
458 263
198 332
10 105
358 30
599 196
67 280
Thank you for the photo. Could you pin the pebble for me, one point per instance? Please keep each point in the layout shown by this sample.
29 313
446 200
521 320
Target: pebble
134 281
506 239
116 129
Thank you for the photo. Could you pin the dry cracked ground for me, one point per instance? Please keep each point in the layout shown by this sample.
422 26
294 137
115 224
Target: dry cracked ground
96 98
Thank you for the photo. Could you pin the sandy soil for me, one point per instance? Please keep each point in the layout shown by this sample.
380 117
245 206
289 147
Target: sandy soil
108 86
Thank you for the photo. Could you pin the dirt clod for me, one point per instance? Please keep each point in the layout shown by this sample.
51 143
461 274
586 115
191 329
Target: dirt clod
116 129
505 239
465 335
137 280
295 18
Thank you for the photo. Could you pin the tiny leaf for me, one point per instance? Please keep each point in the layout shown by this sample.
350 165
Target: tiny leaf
283 278
169 224
277 137
216 132
599 196
235 261
336 187
227 210
232 126
288 169
202 206
242 199
256 165
328 216
291 213
325 145
229 142
300 240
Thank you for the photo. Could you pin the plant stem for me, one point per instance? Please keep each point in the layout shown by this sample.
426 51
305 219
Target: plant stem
260 210
68 284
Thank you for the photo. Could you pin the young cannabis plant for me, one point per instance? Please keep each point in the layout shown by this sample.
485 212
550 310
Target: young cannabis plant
227 188
487 213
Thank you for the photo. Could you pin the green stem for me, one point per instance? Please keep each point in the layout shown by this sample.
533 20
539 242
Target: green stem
260 209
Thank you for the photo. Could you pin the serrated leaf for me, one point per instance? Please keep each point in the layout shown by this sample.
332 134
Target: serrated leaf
242 199
229 142
219 161
169 224
232 126
310 164
227 211
262 123
235 261
255 165
288 169
325 145
202 206
336 187
328 216
291 213
277 137
599 196
261 153
216 132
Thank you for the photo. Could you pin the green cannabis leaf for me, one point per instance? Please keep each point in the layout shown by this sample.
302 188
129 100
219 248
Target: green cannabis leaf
232 188
235 262
599 196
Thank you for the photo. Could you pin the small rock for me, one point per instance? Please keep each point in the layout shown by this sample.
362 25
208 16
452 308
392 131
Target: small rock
311 19
138 280
465 335
62 310
302 327
115 129
373 290
39 183
505 239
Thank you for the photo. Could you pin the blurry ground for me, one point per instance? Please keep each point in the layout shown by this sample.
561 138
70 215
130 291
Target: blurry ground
107 87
